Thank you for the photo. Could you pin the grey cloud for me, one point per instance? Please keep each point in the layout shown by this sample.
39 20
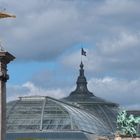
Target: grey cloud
118 56
43 30
124 92
121 91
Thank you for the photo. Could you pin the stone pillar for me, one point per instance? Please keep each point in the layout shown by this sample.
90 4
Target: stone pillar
5 58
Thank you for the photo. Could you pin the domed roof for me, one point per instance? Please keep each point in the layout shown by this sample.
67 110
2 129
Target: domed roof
80 111
82 94
39 113
102 109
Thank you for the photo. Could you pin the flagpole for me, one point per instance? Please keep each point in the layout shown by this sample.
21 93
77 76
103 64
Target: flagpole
81 54
81 51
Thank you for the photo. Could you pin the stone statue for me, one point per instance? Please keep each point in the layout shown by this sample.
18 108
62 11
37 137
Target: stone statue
127 124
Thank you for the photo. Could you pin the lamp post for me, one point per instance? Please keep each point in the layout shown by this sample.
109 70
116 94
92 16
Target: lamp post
5 58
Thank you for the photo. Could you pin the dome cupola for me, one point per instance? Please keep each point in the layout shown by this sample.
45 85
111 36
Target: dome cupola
81 89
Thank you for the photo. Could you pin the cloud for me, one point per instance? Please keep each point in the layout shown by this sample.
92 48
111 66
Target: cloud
124 42
110 56
124 7
121 91
44 30
124 92
29 89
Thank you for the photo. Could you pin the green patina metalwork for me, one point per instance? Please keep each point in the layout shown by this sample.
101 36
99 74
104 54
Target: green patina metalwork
127 124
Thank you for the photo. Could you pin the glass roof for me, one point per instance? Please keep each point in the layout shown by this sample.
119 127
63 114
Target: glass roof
36 113
80 111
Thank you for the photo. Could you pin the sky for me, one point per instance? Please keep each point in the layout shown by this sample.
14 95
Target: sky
46 38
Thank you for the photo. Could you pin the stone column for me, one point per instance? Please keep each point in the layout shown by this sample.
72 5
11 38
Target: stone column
5 58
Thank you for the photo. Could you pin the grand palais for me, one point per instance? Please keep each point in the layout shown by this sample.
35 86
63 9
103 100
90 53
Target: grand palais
80 116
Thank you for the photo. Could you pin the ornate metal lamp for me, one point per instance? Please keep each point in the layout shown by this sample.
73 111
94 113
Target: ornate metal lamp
6 15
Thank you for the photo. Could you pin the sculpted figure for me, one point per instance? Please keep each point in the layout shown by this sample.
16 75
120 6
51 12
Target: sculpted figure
127 124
